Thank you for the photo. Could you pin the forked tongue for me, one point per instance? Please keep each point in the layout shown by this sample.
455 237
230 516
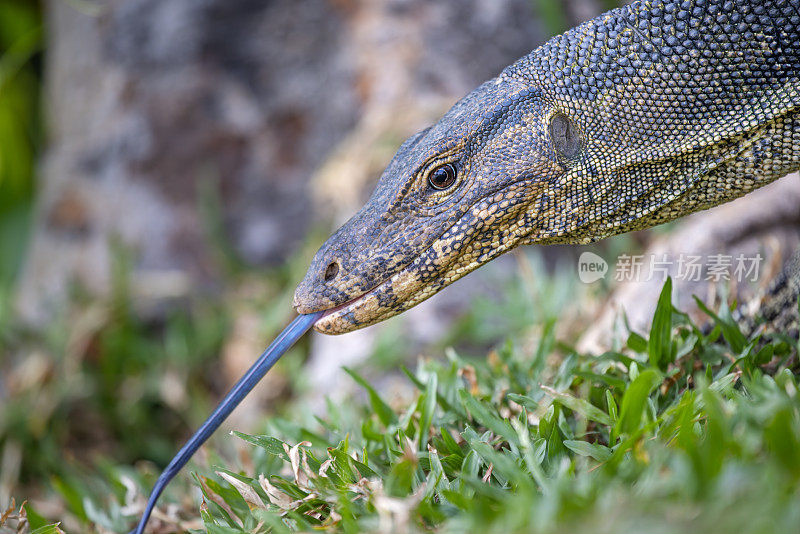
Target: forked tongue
299 326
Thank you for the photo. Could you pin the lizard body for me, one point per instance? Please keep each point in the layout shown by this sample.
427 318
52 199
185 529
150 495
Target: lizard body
642 115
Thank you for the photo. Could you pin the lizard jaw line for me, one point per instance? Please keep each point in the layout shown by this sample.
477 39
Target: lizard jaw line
327 322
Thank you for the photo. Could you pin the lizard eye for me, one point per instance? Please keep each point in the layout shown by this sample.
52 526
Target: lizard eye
442 177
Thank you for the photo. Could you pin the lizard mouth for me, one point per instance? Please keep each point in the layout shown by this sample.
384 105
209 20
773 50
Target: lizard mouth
388 298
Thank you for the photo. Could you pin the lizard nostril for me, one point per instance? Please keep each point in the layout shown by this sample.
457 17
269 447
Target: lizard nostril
331 271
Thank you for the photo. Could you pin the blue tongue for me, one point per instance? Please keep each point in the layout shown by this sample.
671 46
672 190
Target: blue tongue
299 326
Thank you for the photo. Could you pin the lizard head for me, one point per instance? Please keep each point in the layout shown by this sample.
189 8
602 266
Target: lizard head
455 196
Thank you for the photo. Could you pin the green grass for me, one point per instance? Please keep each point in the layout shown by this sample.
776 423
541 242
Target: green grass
681 429
21 43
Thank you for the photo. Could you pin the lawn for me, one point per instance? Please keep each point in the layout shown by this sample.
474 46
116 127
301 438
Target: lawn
688 427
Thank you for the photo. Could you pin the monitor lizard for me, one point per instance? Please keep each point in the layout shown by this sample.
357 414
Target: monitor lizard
642 115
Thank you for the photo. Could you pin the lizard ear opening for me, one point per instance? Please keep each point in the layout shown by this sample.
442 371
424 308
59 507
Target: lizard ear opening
565 136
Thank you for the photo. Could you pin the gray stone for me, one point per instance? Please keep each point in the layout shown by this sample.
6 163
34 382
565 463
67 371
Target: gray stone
157 105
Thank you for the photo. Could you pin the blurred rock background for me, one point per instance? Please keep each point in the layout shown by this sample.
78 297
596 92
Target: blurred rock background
183 127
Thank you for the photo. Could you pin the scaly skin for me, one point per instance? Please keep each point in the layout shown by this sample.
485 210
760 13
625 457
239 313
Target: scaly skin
635 118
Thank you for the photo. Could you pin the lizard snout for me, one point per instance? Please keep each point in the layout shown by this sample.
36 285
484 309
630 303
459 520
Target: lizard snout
316 291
